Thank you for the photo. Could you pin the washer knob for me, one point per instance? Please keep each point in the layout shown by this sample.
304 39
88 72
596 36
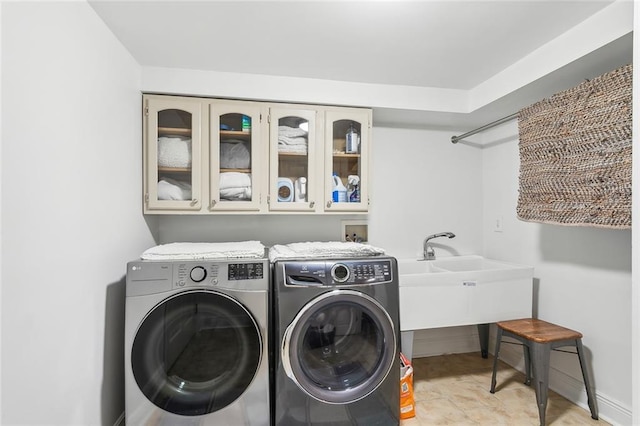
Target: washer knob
340 272
198 274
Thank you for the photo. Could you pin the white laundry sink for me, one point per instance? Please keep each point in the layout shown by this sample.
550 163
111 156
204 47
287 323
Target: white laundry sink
472 263
462 290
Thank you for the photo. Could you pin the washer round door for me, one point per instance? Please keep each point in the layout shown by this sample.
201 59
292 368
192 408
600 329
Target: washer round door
196 352
340 347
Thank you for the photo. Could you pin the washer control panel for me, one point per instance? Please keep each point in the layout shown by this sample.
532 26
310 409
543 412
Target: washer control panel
338 272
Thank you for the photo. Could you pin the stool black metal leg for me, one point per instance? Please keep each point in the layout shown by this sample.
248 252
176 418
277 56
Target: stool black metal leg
587 384
495 360
540 354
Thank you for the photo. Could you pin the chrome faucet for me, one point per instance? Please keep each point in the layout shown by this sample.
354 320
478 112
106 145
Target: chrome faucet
428 252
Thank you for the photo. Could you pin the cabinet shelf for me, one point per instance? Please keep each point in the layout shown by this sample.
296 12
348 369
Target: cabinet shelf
174 131
235 170
174 169
292 154
345 155
234 134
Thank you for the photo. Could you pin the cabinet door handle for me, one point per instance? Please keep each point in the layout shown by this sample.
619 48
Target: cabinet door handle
329 203
194 201
311 204
213 204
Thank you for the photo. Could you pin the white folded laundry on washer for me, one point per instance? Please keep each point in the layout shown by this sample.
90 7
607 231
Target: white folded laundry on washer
186 251
322 249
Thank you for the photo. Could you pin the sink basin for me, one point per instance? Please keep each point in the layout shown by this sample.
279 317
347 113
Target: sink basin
458 267
412 266
462 290
471 263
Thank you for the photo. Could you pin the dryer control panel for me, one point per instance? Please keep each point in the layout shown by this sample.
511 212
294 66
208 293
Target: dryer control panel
338 272
217 273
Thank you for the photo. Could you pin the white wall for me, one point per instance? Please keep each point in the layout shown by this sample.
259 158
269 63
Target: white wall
582 280
270 230
71 174
1 32
422 185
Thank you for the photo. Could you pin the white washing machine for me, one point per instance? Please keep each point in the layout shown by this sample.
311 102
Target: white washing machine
196 342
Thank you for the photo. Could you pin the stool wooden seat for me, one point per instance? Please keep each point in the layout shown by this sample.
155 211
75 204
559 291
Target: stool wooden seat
538 338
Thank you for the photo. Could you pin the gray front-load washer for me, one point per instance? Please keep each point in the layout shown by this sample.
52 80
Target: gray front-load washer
196 342
336 342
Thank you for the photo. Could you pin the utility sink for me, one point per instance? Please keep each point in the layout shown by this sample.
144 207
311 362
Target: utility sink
462 290
411 267
472 263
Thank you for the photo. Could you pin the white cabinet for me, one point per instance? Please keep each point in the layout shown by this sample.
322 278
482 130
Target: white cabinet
172 155
209 156
347 150
236 156
310 155
295 169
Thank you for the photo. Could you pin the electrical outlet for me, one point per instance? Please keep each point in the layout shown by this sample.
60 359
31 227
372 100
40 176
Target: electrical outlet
498 224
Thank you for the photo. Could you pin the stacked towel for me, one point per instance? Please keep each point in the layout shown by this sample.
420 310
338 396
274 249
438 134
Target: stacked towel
323 250
188 251
292 139
235 186
235 154
171 189
174 151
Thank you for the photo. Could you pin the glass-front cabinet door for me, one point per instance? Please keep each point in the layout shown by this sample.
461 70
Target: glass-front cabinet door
347 159
172 154
236 156
293 169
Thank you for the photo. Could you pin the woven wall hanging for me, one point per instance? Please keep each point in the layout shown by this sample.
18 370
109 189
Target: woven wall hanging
575 155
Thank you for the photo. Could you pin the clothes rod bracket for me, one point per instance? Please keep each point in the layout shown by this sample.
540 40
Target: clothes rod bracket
456 139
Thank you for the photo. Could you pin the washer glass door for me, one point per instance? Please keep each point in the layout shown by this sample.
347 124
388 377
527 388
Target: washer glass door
196 352
340 347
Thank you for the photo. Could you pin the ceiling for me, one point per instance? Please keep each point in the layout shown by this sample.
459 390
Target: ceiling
438 44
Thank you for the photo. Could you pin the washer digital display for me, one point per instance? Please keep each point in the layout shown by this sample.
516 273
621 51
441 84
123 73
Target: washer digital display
245 271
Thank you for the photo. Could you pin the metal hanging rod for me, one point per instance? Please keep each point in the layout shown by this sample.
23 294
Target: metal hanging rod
456 139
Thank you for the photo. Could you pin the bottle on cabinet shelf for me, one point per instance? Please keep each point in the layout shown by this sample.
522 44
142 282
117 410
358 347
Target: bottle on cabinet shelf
246 123
339 194
352 140
353 190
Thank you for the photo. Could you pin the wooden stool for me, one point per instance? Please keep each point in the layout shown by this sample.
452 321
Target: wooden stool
538 339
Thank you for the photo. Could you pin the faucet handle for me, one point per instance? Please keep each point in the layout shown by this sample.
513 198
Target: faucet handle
430 254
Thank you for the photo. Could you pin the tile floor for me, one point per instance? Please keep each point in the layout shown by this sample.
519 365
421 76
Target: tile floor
454 390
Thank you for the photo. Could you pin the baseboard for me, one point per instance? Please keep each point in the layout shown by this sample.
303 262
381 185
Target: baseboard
609 409
120 420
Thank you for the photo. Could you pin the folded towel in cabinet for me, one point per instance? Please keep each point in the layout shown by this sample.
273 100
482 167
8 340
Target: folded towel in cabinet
234 180
174 151
291 132
236 194
285 140
323 250
171 189
185 251
235 154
